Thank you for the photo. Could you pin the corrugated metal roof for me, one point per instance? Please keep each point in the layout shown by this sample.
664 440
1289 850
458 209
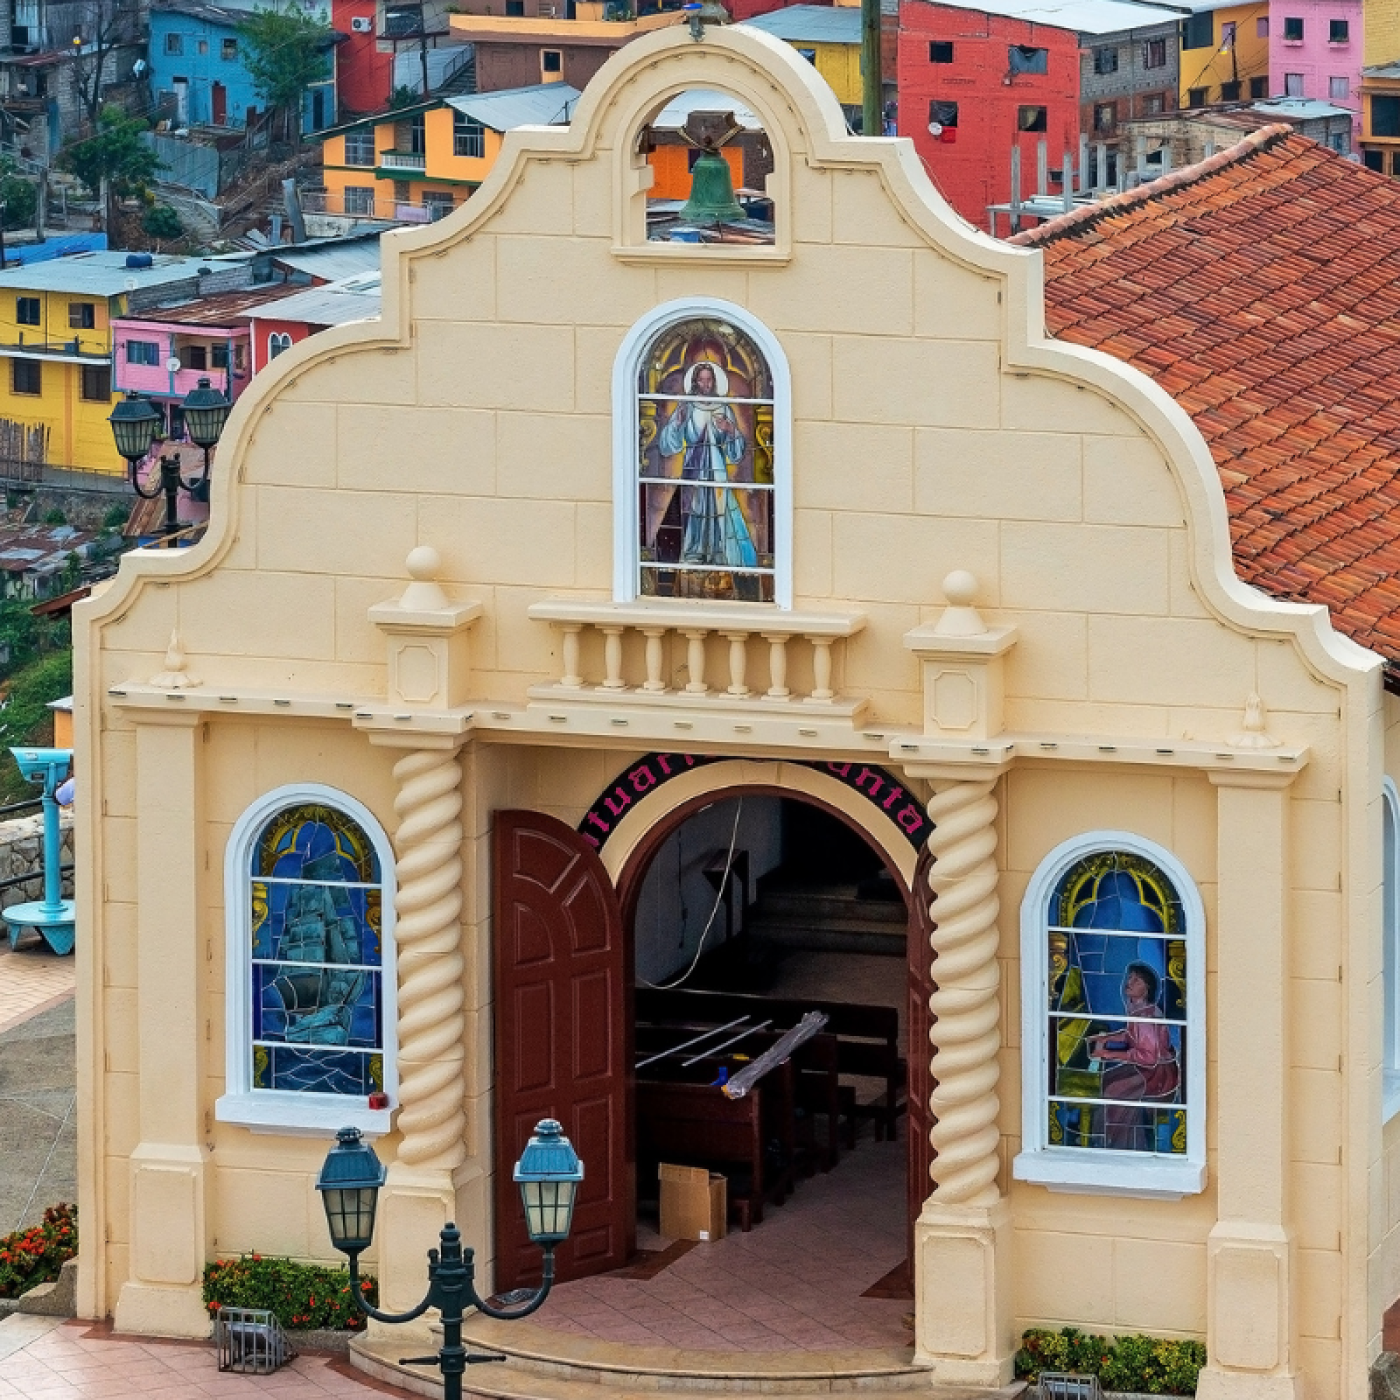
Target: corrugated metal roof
810 24
1300 109
1080 16
677 111
331 263
1382 70
543 104
99 274
354 299
221 309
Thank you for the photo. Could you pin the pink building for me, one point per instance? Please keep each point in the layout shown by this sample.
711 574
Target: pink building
163 353
1315 51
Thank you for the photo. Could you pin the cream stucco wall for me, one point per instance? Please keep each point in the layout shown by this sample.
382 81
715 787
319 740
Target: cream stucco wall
933 429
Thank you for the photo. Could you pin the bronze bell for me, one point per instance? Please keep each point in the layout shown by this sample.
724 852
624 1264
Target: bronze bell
711 192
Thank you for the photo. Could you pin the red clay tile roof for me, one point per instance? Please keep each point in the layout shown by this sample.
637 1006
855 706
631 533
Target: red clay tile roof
1261 289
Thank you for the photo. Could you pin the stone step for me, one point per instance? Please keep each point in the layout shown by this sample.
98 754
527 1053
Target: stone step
835 903
543 1365
831 935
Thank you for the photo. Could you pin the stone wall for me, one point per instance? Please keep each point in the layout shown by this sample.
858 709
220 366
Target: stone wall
22 851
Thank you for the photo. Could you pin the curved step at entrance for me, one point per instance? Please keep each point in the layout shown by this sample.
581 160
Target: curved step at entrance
544 1365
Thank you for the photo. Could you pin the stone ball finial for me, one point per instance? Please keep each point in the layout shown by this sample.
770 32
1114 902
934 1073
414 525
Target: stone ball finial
960 618
423 563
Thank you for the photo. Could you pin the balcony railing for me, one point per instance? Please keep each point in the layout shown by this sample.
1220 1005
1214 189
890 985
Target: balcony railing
663 653
403 160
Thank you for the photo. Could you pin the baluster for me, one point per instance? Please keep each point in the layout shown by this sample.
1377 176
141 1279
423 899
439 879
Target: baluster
821 668
655 656
571 680
695 660
612 658
777 666
738 661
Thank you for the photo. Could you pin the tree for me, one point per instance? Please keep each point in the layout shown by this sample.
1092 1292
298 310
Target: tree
285 52
160 221
99 27
18 198
114 154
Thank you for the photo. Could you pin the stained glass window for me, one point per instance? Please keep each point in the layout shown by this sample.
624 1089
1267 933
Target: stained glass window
317 966
1117 1008
705 483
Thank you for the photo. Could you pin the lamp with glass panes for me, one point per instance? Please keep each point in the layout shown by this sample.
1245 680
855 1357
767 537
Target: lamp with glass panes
548 1174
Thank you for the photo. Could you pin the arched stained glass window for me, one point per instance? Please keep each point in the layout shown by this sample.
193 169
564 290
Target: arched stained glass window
1113 937
311 996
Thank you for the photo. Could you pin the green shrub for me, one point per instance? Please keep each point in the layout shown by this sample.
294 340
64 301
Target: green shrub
1148 1365
300 1295
161 221
34 1256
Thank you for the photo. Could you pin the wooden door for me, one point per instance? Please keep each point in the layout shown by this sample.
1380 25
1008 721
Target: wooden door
562 1028
219 103
920 1052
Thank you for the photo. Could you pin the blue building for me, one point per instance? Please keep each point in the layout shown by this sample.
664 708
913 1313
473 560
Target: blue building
196 57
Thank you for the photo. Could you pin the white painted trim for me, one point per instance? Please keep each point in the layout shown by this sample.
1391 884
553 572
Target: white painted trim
1390 948
273 1110
1093 1170
626 541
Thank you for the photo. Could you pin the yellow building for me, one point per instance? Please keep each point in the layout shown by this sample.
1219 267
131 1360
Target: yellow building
1380 117
416 164
543 620
56 344
1224 53
828 37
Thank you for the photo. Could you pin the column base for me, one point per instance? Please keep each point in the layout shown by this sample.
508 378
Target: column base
962 1294
1216 1383
151 1310
413 1208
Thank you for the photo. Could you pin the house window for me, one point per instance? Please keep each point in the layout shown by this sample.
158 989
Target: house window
359 199
1340 141
551 61
82 315
1390 933
194 357
418 135
218 355
1230 92
1198 32
1258 87
515 9
1152 104
1113 992
1197 97
702 394
1338 88
439 204
359 147
1154 53
1227 34
1105 61
1023 58
1261 27
27 311
1030 118
228 50
26 377
943 120
96 386
142 352
1385 116
1373 160
1292 30
174 43
1395 162
468 136
1292 84
308 890
277 342
201 46
940 51
1105 117
810 55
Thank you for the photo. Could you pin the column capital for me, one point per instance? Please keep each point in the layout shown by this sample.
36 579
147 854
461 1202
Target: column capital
1252 778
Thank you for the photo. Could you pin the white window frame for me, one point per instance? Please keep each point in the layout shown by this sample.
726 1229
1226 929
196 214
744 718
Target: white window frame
279 1110
626 426
1390 935
278 343
1100 1171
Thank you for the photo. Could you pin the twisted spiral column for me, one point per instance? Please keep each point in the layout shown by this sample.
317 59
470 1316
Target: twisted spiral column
428 908
967 1031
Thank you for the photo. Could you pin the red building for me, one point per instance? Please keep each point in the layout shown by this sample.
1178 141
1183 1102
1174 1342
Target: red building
363 74
971 86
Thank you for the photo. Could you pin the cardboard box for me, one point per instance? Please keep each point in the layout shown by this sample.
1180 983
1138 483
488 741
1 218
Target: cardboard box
694 1203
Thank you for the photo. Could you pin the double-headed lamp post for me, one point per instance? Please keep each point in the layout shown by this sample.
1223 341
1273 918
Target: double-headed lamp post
136 425
548 1174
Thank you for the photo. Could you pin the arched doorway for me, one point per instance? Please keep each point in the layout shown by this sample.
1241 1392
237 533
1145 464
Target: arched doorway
582 906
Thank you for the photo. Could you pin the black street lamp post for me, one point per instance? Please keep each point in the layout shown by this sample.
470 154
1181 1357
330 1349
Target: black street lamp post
548 1174
136 425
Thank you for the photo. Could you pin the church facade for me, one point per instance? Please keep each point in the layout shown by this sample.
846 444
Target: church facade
594 530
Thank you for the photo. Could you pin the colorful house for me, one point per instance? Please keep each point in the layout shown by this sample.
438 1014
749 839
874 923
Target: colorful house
828 37
278 325
1380 118
417 164
1225 52
196 56
56 342
979 79
1315 51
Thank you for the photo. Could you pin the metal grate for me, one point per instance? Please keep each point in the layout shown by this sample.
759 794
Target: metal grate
1069 1385
251 1341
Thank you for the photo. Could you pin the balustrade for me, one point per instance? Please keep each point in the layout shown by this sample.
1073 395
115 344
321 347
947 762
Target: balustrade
802 642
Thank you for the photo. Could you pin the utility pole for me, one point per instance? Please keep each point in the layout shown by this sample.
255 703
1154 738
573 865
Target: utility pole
872 84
